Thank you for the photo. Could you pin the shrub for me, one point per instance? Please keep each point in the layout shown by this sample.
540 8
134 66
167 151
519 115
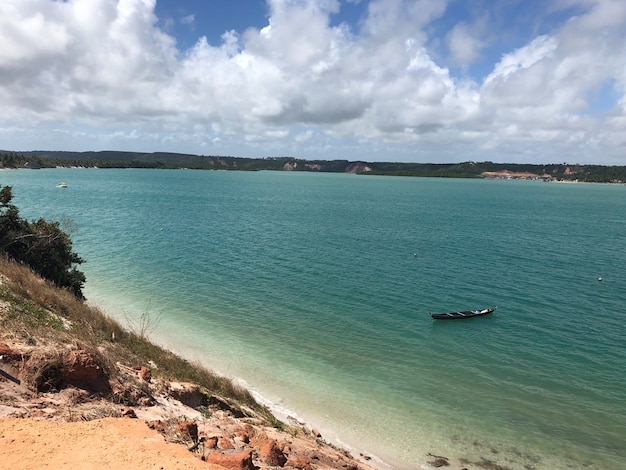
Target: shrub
40 244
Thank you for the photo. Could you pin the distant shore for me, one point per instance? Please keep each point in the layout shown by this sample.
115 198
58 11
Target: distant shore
165 160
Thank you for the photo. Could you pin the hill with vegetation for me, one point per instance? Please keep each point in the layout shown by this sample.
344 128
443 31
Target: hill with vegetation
162 160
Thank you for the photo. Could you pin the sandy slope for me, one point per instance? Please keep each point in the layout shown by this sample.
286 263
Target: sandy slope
116 443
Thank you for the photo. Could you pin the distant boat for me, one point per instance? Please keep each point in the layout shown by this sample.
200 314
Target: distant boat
462 314
62 185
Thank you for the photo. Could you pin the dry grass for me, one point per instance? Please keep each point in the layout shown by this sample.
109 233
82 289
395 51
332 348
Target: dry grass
89 413
35 311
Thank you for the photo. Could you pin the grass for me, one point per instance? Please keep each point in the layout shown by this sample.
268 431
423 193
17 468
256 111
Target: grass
34 310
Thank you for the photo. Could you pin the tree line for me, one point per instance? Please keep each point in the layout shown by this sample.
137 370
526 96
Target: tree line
164 160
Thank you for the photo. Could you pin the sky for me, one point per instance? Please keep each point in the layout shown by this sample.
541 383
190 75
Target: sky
428 81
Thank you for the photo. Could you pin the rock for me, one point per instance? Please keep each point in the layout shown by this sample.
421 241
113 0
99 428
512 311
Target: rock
129 412
258 439
232 460
211 442
271 454
225 442
187 393
188 429
157 425
145 401
299 462
83 369
145 374
440 462
246 434
8 354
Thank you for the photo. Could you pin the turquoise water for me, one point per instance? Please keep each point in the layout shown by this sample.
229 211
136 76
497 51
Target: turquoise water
314 290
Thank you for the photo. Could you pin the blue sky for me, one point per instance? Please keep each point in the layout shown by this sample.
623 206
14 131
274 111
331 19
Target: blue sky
188 20
374 80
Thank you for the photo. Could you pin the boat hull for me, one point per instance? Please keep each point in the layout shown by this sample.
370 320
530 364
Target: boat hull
461 315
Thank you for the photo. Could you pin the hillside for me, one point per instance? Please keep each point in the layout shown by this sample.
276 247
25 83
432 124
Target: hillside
79 391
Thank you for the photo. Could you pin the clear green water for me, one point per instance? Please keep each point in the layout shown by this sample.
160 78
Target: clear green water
314 289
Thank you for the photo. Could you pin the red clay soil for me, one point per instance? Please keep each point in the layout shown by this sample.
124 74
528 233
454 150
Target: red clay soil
109 443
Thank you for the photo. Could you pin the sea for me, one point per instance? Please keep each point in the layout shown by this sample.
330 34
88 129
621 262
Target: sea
313 290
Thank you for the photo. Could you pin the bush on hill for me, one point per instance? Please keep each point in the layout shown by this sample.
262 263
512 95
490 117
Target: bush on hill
40 244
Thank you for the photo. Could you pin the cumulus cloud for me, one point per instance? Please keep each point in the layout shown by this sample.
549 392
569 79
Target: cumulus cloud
465 44
104 72
539 93
82 60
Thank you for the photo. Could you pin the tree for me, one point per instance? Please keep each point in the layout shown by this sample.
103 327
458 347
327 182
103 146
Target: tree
40 244
12 227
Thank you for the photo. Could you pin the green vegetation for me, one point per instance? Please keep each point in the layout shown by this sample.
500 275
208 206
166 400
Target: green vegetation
162 160
42 245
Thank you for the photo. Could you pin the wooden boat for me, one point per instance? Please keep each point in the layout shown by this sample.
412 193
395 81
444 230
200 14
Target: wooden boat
463 314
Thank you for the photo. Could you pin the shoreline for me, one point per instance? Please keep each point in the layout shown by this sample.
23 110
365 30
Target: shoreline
315 421
69 371
454 450
291 417
421 454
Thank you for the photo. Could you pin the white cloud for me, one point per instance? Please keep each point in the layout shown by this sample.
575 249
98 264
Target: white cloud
103 72
188 20
539 94
303 136
464 44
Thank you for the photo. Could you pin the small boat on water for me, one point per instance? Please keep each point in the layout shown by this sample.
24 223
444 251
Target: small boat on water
62 185
463 314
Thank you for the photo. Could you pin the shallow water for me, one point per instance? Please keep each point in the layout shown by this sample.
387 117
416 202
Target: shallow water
315 290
